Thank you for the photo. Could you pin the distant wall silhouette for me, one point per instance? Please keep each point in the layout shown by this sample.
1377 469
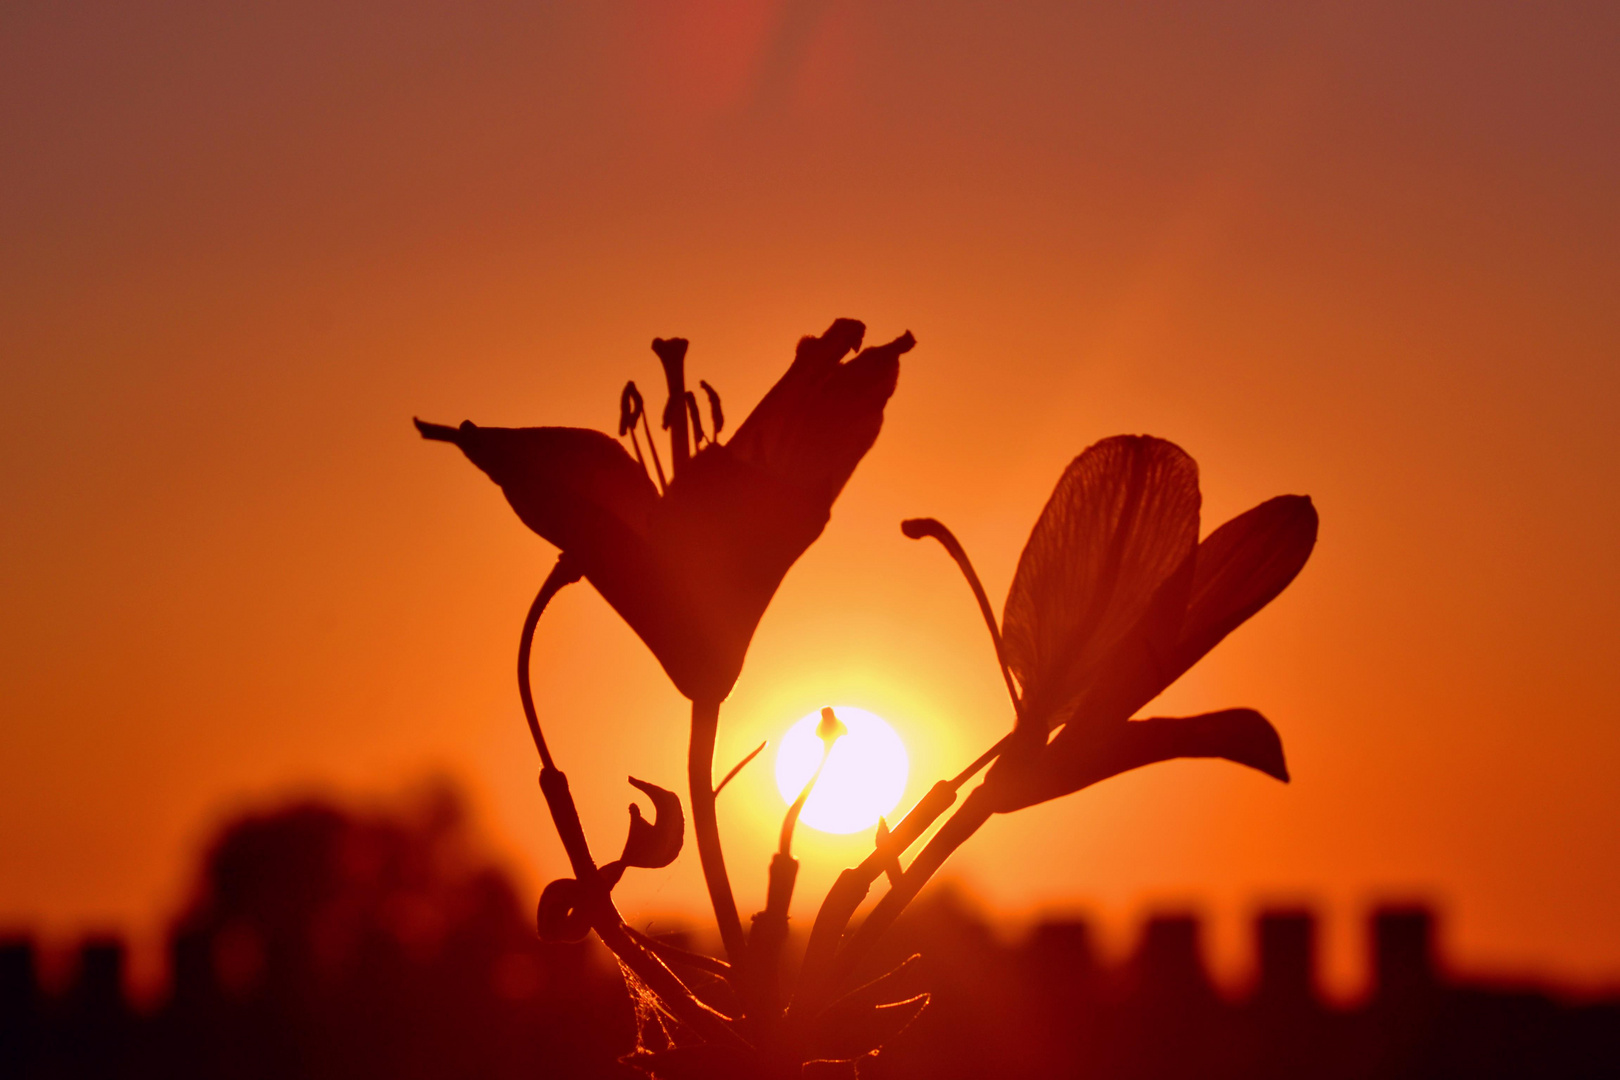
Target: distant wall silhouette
1053 1010
322 943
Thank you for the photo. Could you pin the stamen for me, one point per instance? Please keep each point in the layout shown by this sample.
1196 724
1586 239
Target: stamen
916 529
672 354
697 421
632 409
652 446
716 416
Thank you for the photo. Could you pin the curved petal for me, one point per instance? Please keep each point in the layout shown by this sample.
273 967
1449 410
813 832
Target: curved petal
1104 554
1079 757
654 844
577 488
580 490
1241 568
723 537
823 415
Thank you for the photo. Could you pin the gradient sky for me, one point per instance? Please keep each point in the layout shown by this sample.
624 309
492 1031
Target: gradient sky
1362 251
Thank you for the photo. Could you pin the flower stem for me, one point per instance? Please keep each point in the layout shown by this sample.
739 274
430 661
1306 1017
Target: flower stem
916 529
563 573
849 892
605 918
770 930
706 826
974 812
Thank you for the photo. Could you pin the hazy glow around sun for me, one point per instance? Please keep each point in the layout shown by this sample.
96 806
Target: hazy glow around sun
864 778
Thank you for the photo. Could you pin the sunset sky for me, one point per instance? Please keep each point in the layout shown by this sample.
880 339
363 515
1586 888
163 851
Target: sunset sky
1368 252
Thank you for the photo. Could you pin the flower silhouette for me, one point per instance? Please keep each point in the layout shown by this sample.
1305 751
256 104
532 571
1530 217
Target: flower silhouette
1113 599
692 569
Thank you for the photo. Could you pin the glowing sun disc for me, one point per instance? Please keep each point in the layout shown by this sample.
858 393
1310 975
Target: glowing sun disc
864 778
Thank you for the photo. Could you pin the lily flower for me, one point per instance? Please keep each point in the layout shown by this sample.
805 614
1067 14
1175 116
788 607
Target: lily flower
1113 599
691 568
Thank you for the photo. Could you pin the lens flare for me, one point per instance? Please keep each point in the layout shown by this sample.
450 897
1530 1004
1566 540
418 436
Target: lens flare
864 778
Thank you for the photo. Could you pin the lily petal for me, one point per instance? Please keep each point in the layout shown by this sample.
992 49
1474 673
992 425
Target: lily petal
577 488
823 415
1079 757
1241 568
1121 523
693 570
1239 735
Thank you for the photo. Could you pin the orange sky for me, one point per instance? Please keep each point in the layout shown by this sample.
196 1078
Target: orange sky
1365 252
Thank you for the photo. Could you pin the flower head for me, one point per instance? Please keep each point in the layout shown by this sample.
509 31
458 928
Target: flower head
691 568
1113 599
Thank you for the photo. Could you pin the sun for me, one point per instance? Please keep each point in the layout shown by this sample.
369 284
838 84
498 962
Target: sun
864 778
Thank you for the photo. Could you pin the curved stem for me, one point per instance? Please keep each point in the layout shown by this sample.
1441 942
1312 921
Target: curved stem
605 918
916 529
791 818
770 929
706 827
563 573
737 768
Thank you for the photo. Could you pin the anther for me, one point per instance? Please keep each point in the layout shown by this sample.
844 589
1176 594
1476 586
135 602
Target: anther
672 354
630 409
697 421
715 415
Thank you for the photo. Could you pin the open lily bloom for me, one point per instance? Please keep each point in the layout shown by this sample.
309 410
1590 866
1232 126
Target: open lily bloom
1113 599
692 569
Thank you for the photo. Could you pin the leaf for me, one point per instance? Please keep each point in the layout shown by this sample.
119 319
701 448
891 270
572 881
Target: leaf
560 916
654 844
1121 522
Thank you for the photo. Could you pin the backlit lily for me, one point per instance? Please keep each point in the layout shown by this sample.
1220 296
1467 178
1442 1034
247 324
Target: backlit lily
1113 599
692 568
